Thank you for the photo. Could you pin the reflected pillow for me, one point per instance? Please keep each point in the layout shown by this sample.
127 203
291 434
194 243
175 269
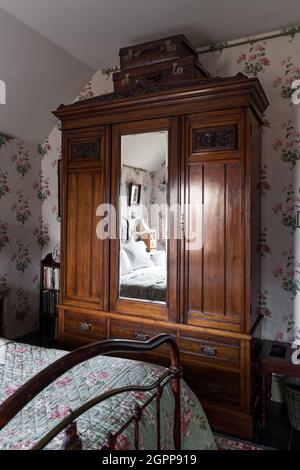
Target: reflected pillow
126 267
138 255
159 258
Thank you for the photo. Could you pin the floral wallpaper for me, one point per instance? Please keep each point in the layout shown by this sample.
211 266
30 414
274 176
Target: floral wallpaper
20 224
153 191
129 175
23 183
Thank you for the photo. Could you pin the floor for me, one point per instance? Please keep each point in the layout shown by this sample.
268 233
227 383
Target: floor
278 433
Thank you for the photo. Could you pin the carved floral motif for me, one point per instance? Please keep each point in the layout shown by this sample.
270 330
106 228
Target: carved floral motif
84 150
214 138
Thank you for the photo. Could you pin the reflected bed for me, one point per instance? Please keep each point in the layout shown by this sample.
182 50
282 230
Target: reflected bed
148 284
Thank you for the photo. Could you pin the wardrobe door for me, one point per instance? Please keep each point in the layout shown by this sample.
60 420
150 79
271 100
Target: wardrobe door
85 187
144 193
214 245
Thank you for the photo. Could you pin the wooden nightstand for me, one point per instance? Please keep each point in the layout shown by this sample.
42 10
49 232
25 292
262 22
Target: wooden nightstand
275 358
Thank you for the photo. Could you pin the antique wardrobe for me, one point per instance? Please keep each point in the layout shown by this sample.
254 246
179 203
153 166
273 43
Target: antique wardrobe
211 129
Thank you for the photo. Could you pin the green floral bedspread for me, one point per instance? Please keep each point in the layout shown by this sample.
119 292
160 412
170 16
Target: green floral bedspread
19 362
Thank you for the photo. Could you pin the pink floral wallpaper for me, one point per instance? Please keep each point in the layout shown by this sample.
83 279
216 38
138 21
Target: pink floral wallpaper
153 191
28 189
20 224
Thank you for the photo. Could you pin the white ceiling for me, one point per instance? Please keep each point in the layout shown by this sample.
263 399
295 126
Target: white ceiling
147 151
94 30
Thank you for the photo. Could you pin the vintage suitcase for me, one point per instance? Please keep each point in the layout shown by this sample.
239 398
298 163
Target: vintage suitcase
165 72
171 48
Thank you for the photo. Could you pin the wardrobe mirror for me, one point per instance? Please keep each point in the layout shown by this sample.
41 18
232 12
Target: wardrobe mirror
143 216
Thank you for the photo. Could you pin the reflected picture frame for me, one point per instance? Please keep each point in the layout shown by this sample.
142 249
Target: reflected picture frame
134 194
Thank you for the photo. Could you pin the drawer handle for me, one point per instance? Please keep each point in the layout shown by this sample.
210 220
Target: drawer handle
84 326
214 388
140 336
209 350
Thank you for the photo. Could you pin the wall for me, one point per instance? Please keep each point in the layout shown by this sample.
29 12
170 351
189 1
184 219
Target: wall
28 190
276 63
153 191
39 75
22 233
138 176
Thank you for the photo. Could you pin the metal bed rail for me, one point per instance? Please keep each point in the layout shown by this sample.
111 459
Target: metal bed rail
172 375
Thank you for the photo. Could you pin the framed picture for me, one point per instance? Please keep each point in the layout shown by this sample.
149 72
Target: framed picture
134 194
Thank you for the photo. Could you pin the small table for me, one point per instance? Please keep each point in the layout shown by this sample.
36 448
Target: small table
3 295
275 358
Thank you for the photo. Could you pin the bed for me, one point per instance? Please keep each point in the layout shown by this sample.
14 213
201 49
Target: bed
53 399
147 283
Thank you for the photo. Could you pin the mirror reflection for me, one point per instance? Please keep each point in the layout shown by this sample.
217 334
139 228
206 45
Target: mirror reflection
143 216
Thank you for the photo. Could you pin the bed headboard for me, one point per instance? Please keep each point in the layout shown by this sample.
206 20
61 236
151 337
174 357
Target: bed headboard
124 233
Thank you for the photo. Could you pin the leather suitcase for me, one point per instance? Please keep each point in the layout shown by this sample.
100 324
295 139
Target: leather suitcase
171 48
164 72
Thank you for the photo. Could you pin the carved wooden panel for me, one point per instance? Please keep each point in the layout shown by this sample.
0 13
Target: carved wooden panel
214 138
215 270
84 255
85 151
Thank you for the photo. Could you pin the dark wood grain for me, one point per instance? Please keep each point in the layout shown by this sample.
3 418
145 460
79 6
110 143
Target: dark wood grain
214 249
234 241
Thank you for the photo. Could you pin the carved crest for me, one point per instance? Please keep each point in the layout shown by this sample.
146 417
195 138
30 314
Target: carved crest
214 138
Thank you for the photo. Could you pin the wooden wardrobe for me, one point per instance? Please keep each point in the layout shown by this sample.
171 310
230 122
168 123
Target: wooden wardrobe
214 135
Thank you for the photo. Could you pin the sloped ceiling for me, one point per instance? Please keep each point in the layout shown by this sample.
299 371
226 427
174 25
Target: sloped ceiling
50 48
39 75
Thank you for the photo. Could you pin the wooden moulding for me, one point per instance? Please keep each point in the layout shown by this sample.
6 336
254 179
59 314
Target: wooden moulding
164 95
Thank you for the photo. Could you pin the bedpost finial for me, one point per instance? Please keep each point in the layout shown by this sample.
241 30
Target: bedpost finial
72 441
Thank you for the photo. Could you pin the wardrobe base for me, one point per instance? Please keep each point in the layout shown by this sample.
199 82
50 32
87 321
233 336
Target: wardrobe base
229 421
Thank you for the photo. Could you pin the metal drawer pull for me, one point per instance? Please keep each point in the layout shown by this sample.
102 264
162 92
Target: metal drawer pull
214 388
209 350
85 326
140 336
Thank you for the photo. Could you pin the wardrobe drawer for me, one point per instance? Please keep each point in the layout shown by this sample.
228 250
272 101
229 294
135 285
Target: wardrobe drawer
216 387
88 325
140 332
137 331
216 351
